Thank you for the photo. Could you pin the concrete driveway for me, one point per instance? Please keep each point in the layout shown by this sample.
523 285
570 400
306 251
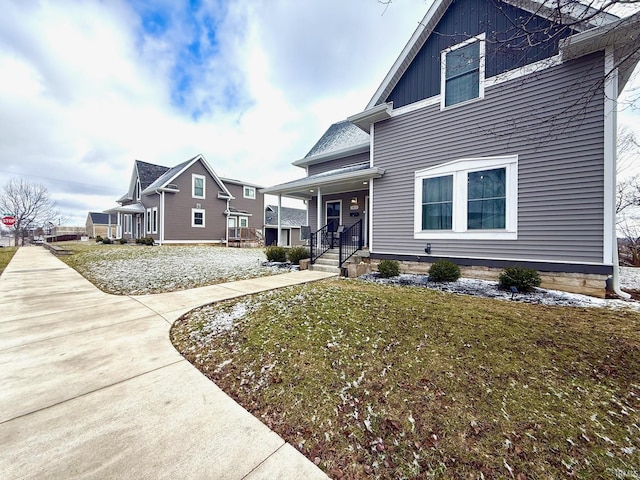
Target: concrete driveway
91 387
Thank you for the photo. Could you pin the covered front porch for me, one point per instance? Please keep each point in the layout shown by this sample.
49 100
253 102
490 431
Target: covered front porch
130 221
338 208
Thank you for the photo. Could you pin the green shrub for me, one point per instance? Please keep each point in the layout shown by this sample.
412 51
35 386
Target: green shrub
107 241
444 271
145 241
275 253
388 268
524 279
98 239
296 254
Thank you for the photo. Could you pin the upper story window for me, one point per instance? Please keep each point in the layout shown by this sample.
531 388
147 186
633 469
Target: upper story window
470 198
249 192
462 74
198 186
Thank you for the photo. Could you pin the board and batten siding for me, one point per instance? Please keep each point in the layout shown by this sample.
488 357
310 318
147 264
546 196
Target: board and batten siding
553 120
338 163
178 207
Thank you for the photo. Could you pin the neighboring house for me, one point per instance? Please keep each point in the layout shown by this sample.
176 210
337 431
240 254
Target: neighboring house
188 203
291 222
487 152
99 224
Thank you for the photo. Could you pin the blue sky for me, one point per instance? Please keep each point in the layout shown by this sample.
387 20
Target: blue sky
88 87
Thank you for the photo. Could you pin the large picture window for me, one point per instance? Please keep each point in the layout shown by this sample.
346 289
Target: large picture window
468 198
462 76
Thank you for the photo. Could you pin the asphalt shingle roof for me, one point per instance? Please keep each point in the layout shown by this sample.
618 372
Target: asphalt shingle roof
291 217
339 136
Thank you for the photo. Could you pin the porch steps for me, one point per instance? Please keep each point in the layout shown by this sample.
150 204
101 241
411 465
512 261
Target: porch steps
329 261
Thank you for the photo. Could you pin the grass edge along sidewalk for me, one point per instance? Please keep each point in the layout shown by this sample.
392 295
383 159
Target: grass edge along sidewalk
404 382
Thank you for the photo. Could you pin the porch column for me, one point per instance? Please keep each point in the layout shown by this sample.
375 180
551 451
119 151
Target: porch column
319 210
279 243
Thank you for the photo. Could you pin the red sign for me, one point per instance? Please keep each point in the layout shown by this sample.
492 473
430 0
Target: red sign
9 221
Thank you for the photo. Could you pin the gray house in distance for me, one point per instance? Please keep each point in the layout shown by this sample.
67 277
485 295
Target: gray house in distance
188 203
98 224
491 142
291 222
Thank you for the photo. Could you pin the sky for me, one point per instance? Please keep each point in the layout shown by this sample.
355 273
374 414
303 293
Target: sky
87 87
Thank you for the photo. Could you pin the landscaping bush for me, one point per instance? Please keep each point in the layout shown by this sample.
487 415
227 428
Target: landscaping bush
107 241
145 241
524 279
122 241
388 268
296 254
98 239
444 271
275 253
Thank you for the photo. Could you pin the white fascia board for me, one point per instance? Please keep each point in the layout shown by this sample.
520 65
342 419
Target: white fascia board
438 7
364 120
375 172
613 34
325 157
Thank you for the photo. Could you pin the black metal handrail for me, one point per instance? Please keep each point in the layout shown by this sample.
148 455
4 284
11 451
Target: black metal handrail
320 242
350 242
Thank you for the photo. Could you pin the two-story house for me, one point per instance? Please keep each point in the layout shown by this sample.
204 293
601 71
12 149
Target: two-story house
188 203
491 142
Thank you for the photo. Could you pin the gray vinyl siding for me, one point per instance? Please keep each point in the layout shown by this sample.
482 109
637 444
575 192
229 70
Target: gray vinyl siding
177 215
338 163
347 219
554 125
254 207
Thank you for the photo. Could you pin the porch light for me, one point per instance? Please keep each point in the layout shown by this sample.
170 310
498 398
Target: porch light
311 190
354 200
365 182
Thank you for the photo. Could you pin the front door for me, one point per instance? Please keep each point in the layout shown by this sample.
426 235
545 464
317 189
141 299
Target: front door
333 215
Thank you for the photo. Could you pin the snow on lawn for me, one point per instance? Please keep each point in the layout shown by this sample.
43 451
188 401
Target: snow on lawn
489 289
630 278
137 270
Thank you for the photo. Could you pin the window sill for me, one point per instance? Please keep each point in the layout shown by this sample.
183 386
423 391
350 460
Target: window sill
468 235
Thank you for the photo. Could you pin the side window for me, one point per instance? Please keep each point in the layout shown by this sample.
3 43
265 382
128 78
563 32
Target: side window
462 75
249 192
198 186
197 217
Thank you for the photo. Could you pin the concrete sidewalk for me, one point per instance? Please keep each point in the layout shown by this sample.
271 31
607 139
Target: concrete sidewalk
91 387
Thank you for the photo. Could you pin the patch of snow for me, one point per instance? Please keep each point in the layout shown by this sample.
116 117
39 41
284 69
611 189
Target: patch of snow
489 289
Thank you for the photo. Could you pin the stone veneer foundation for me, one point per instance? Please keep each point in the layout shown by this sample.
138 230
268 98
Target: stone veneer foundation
583 283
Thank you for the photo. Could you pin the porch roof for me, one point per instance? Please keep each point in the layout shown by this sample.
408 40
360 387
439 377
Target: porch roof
132 208
346 179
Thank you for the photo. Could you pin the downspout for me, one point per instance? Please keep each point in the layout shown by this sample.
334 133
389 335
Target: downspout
610 132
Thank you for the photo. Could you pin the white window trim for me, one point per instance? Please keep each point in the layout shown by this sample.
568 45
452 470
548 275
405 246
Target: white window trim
193 186
459 169
246 221
252 195
193 212
148 222
443 71
128 223
154 220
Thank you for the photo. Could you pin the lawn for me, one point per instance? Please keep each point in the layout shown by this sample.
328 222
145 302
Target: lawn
137 269
6 254
375 381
